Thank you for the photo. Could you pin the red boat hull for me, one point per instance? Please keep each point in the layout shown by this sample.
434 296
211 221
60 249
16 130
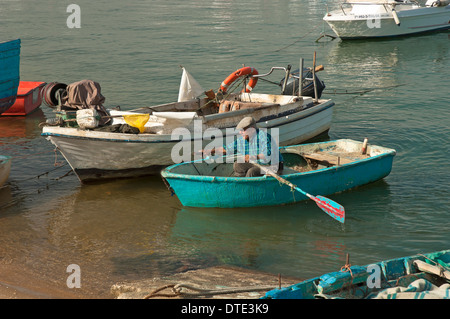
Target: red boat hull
29 98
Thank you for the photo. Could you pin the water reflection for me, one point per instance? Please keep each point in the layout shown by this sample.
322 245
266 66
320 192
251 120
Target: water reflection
14 128
6 198
257 238
131 216
377 64
112 230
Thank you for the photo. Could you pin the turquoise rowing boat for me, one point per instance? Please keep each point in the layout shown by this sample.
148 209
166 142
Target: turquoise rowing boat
322 168
421 276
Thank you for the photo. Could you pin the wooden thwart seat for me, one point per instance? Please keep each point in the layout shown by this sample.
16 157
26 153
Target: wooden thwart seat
231 105
326 159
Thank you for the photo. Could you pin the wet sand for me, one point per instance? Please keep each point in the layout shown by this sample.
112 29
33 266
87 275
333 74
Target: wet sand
21 284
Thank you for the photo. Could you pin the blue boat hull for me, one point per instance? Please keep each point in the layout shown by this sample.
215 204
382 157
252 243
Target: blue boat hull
232 192
9 75
353 282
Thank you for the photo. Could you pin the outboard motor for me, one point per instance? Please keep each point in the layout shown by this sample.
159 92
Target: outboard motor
437 3
292 84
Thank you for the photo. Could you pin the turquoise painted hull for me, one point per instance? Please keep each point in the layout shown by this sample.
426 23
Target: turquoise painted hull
399 272
9 75
231 192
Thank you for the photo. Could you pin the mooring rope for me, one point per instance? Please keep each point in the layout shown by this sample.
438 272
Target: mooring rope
57 165
178 290
347 267
363 91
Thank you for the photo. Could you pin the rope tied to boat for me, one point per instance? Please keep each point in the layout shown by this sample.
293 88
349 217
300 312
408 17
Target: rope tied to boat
56 164
180 290
292 191
168 186
347 267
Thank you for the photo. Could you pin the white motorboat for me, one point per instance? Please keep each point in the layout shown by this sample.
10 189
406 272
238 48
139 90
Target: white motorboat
386 18
185 127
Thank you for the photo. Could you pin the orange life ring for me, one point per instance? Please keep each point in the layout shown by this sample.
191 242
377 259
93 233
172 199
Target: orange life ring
238 73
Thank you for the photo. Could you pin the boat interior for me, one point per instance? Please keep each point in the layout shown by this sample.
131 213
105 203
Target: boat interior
230 103
294 163
297 159
221 109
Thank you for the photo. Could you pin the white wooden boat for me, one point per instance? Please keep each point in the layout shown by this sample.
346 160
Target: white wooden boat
386 18
185 127
97 155
5 168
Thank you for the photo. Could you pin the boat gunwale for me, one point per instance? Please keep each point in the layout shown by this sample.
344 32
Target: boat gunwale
31 89
337 16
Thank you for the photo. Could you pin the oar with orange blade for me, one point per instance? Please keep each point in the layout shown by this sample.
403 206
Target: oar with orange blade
330 207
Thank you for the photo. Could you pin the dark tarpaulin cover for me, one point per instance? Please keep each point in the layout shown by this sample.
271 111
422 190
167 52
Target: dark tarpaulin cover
86 94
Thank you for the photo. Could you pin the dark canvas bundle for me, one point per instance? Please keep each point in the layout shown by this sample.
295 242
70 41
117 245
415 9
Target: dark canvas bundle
86 94
118 128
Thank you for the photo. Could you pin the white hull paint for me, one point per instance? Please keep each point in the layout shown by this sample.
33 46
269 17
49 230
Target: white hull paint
95 155
370 21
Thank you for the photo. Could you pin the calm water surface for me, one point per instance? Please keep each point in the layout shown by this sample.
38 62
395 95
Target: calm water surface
393 92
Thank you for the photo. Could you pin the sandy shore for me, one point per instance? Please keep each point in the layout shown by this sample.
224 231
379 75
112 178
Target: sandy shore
20 284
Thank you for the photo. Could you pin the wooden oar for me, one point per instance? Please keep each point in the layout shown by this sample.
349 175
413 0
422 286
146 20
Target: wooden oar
330 207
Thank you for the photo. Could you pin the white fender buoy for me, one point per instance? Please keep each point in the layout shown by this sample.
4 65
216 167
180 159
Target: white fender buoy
396 19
